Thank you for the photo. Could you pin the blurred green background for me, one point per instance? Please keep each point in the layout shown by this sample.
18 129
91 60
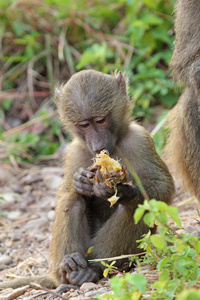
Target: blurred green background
43 42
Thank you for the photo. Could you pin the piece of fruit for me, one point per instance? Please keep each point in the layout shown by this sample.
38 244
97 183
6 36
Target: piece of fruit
110 171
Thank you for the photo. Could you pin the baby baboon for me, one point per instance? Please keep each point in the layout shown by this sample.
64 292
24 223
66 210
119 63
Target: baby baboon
94 107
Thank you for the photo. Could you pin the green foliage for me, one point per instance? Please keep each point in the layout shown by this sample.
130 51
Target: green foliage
127 286
161 132
47 42
110 269
27 145
190 294
175 256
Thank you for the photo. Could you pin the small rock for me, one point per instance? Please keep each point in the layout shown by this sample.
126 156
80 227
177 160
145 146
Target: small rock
88 286
53 202
5 177
52 170
189 229
30 178
51 215
52 181
14 215
74 294
17 236
2 237
37 223
39 237
96 292
9 198
18 189
5 260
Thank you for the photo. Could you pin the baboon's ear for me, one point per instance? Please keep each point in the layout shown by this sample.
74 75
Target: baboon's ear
121 82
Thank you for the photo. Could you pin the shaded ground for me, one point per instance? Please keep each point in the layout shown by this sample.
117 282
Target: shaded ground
25 229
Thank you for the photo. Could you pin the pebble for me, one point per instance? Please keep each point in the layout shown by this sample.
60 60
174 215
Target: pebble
53 202
39 237
88 286
52 170
189 229
51 215
5 260
74 294
17 236
14 215
96 292
52 181
3 236
10 198
36 223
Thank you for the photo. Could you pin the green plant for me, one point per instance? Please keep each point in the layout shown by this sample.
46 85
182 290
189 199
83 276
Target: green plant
110 268
128 286
37 54
175 256
39 137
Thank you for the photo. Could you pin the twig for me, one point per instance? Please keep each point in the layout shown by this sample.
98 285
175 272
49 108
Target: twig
189 200
159 125
117 257
3 223
37 296
27 124
30 85
21 221
49 291
188 218
10 94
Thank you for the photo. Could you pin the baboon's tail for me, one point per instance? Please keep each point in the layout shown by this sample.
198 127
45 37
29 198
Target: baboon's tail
46 281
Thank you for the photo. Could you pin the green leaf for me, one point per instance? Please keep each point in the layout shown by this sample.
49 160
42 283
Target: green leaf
138 214
96 53
173 213
139 281
158 205
162 263
190 294
19 28
149 219
197 247
163 218
164 276
6 104
152 4
158 241
179 245
105 273
169 100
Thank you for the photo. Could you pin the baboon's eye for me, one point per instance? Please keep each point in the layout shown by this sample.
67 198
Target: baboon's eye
100 120
84 124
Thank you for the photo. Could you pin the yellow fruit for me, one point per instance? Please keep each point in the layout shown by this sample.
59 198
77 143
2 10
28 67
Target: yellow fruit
107 163
109 171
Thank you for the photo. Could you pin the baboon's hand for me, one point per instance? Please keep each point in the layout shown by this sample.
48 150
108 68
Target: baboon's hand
102 191
82 184
75 270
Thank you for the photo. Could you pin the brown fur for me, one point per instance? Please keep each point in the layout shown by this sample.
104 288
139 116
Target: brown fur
183 147
111 231
187 42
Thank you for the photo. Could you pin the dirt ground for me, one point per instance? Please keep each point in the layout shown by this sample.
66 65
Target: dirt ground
26 220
